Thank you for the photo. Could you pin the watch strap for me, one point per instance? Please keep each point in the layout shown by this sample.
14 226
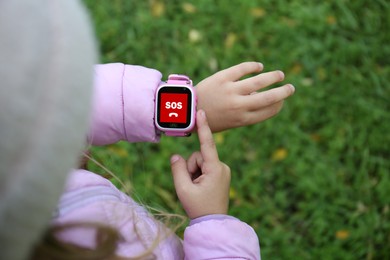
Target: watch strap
179 79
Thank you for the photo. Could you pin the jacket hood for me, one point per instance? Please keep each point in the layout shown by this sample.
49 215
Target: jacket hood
47 51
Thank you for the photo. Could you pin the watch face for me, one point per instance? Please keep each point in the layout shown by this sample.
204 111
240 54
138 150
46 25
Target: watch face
174 107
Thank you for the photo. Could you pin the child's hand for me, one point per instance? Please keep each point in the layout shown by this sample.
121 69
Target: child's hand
202 182
230 102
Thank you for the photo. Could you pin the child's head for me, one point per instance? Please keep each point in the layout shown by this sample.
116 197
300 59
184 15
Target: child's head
47 52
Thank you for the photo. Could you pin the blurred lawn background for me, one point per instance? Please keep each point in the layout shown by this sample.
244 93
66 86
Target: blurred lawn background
313 181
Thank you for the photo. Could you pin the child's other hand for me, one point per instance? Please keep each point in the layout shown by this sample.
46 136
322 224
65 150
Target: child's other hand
230 102
202 182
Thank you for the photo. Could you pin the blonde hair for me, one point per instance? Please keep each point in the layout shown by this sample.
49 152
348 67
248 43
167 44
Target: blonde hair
51 247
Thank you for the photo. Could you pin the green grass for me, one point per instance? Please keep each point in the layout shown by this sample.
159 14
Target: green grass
313 181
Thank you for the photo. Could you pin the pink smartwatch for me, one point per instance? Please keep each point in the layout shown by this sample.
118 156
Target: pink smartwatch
175 106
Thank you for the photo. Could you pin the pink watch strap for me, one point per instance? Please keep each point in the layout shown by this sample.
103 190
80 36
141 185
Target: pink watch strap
179 79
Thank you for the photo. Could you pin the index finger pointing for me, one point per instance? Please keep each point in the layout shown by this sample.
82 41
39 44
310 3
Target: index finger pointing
206 140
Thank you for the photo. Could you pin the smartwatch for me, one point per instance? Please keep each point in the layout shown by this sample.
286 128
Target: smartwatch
175 106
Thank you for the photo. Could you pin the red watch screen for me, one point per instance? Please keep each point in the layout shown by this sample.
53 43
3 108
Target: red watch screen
174 107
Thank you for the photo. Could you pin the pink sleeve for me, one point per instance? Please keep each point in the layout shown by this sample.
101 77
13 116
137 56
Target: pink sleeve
90 198
221 239
123 104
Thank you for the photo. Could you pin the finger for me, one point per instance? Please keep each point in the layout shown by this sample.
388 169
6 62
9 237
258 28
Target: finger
260 81
194 163
181 177
265 113
236 72
267 98
207 144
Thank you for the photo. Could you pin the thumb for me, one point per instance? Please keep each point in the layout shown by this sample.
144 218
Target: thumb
181 176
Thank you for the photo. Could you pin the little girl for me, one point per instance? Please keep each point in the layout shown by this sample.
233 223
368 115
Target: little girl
45 99
123 109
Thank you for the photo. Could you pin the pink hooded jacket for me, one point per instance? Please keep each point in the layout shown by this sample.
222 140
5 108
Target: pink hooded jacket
123 109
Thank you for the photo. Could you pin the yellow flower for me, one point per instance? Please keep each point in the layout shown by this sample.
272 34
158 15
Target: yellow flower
330 19
232 193
189 8
157 8
342 234
219 138
230 40
296 68
279 154
258 12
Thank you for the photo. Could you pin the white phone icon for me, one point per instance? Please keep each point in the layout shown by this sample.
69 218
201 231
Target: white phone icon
173 114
